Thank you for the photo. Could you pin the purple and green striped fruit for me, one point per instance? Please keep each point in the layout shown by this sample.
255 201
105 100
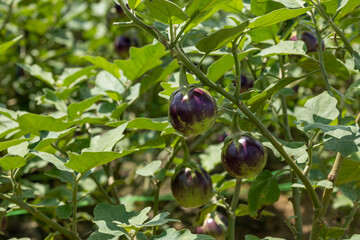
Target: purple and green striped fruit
191 188
243 156
192 110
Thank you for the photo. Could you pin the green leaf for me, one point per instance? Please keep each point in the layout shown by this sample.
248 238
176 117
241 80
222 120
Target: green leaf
258 99
75 110
277 16
46 138
345 145
36 71
319 109
243 210
134 3
220 38
184 234
104 64
150 169
105 215
141 60
20 150
327 232
263 191
33 123
102 236
284 48
10 162
356 57
200 10
64 211
6 144
73 76
166 11
87 160
211 157
354 237
324 183
56 161
349 172
64 176
263 33
5 46
224 64
144 123
347 6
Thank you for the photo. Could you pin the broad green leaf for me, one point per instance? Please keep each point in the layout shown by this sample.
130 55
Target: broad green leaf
243 210
262 7
251 237
104 64
349 172
263 191
11 162
36 71
264 33
5 46
324 183
141 60
234 6
144 123
65 177
211 157
319 109
166 11
64 211
76 109
51 97
87 160
269 91
347 6
277 16
354 237
20 150
220 38
56 161
169 88
105 215
153 143
200 10
46 138
134 3
224 64
284 48
158 75
102 236
107 84
159 220
345 145
73 76
107 141
33 123
297 150
6 144
184 234
226 185
150 169
328 232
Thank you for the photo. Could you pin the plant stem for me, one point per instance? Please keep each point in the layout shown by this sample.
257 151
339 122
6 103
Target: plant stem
351 215
36 213
309 150
296 201
111 179
334 27
182 77
74 203
101 189
232 216
182 30
235 47
156 205
262 128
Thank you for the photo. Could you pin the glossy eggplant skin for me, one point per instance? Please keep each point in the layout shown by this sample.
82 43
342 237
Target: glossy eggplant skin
192 111
311 42
243 157
191 188
214 226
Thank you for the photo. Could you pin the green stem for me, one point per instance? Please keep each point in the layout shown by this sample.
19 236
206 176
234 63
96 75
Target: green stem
182 30
201 60
74 203
114 190
334 27
235 47
351 215
101 189
262 128
296 201
182 77
36 213
156 204
232 216
309 150
186 151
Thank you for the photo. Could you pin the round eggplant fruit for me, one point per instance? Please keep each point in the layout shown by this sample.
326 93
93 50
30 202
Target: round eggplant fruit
122 45
191 188
243 156
215 225
311 42
192 110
